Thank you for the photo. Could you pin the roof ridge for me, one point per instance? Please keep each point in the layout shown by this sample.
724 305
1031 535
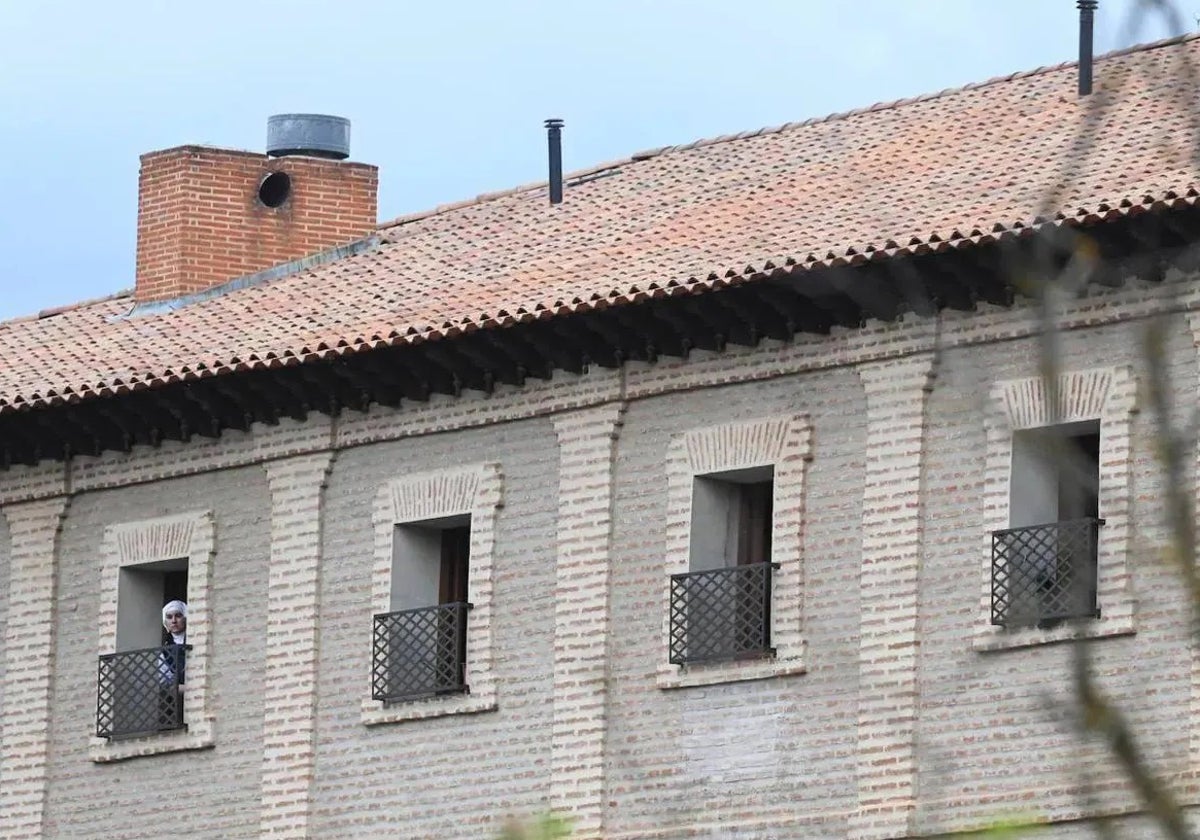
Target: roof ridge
887 105
51 311
437 210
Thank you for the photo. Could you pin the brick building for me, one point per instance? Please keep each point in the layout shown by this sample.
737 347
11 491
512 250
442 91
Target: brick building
738 455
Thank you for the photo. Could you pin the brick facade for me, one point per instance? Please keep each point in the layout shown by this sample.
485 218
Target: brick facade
586 442
889 638
290 678
899 723
88 796
28 674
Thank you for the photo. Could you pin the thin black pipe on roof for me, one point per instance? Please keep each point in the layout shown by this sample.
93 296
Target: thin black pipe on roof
554 141
1087 12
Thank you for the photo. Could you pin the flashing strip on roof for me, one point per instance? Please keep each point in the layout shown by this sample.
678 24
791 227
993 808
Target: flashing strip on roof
161 307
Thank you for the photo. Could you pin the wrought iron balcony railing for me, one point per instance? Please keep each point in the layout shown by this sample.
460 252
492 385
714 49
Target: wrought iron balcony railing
1045 574
137 692
420 652
721 615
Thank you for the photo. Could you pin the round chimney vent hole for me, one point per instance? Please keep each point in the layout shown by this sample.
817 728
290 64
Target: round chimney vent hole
274 189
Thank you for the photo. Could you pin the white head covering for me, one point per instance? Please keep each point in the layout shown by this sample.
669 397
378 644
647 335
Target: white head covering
173 606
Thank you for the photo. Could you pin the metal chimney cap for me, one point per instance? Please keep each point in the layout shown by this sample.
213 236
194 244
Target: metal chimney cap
315 135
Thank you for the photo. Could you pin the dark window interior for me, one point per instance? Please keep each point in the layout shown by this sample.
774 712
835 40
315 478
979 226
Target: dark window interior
1078 491
754 522
175 586
456 552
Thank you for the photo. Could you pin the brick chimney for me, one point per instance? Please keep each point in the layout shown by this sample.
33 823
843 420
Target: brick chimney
207 215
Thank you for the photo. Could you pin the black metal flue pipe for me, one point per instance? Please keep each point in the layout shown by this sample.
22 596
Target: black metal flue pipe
1087 13
554 142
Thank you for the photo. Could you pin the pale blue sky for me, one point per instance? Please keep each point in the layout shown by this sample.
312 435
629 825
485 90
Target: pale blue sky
446 98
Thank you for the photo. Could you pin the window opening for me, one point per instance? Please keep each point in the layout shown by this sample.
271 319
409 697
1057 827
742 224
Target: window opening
455 557
721 609
1044 566
139 685
420 647
754 522
1055 474
731 519
175 585
142 590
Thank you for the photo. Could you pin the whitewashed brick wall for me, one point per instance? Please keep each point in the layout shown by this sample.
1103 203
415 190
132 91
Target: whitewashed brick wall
898 726
290 675
889 635
587 443
28 645
224 783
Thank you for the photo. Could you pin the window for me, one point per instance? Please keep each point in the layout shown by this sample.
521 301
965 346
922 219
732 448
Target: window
733 599
1055 473
1044 564
141 592
420 645
1056 506
721 607
432 588
140 710
138 689
731 519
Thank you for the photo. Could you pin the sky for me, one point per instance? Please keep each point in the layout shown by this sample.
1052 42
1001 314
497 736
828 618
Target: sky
448 98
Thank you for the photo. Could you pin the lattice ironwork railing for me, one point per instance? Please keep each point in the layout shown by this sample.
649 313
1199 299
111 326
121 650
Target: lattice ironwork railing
721 614
137 692
1045 574
420 652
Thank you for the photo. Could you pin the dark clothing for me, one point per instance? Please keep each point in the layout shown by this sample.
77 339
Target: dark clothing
172 659
172 663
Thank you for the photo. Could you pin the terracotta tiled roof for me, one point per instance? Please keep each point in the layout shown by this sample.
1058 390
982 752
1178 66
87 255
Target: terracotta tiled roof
934 172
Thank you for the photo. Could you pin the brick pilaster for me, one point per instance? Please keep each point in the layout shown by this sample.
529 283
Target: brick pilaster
891 560
29 650
587 442
1193 765
289 721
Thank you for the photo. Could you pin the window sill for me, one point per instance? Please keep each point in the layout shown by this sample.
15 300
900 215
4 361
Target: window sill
990 638
375 713
690 676
197 736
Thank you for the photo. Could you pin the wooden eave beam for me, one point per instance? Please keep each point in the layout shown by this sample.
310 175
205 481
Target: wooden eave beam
778 305
565 353
712 327
782 296
817 290
250 390
514 344
443 369
627 342
376 388
496 364
391 365
205 419
28 450
662 336
573 333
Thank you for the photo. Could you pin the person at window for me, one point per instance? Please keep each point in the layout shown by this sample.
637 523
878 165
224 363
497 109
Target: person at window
171 664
